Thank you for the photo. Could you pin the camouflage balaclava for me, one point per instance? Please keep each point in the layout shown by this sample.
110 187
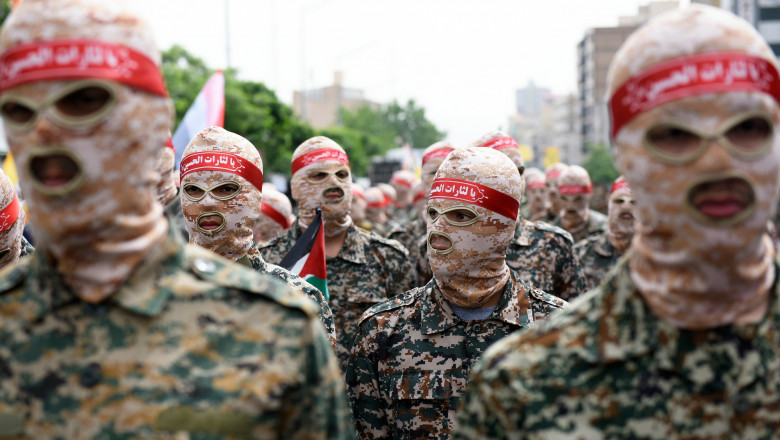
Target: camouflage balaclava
536 193
551 176
164 165
358 211
420 200
11 222
694 105
221 191
403 181
321 178
85 128
276 215
504 143
621 215
472 213
376 206
433 156
390 196
574 192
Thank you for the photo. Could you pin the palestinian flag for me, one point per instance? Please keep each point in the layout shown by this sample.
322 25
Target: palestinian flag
307 257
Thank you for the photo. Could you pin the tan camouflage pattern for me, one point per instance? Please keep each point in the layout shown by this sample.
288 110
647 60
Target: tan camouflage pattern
543 255
513 153
403 182
475 269
308 196
574 207
552 189
412 357
100 231
358 211
429 168
607 367
254 260
692 272
175 216
11 238
376 216
190 347
166 186
240 212
597 256
538 202
620 215
266 228
367 270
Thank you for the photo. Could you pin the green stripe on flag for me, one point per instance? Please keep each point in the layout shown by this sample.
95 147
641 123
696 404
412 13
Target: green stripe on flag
320 284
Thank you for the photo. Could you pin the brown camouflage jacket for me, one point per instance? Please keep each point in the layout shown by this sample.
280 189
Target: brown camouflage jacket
597 256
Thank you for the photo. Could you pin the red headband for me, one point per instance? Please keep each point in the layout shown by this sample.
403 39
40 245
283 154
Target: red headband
402 182
536 184
221 161
620 183
169 143
74 59
500 143
275 215
692 75
552 174
10 213
419 196
320 155
381 204
359 194
575 189
439 152
475 194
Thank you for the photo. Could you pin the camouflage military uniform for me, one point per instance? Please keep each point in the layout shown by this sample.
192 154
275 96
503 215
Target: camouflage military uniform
597 223
412 355
254 260
367 270
190 346
609 368
410 238
176 216
27 248
597 256
542 254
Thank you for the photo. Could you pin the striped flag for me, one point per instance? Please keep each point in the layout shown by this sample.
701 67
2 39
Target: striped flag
307 257
208 110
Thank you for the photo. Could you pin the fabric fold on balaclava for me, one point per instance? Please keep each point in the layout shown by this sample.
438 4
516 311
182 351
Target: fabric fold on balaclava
164 165
276 215
702 158
321 178
433 156
221 191
536 193
621 215
472 212
12 219
85 130
574 192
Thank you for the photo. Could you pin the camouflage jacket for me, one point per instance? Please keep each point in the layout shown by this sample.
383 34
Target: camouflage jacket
410 237
597 256
254 260
368 270
27 248
190 346
542 254
597 223
412 355
609 368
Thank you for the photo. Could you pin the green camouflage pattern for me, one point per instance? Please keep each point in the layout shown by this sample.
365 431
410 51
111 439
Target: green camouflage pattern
412 356
542 254
597 223
27 248
254 260
191 346
368 270
609 368
597 256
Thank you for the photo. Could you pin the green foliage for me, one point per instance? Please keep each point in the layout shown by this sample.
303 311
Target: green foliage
599 164
393 124
5 8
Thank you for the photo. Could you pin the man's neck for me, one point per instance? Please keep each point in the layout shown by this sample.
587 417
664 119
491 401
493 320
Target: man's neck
333 244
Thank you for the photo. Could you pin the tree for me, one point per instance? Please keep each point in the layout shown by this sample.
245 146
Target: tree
392 124
599 164
5 9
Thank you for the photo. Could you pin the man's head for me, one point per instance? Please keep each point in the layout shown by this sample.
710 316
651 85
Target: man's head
275 215
433 156
574 190
504 143
12 220
551 176
472 212
390 195
403 181
536 191
621 214
358 211
221 191
321 178
376 206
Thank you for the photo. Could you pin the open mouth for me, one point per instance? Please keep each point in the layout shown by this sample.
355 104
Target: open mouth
210 223
722 200
440 243
55 171
626 216
333 194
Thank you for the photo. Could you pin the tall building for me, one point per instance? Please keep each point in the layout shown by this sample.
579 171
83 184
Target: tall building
763 14
321 107
530 99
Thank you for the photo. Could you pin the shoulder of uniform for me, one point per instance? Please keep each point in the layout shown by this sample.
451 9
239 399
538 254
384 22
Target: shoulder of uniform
405 299
552 229
373 238
587 242
12 275
221 272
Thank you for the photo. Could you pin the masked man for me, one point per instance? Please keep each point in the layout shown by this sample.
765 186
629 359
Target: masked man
574 191
412 354
551 176
358 211
275 217
113 328
363 268
221 182
598 254
680 339
540 253
403 182
376 210
536 193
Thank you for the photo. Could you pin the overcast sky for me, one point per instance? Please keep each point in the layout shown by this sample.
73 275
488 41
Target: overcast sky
461 60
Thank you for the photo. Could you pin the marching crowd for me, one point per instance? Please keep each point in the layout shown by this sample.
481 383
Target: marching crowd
484 300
